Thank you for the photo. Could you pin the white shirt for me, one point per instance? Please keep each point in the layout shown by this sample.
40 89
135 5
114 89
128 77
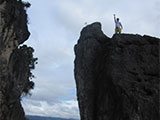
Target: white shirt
117 23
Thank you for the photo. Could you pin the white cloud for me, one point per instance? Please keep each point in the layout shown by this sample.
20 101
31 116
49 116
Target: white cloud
136 15
64 109
55 27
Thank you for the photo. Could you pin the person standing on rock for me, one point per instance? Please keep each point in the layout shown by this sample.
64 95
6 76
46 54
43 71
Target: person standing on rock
118 25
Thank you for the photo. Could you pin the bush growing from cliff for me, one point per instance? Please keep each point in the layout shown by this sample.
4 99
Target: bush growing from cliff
25 54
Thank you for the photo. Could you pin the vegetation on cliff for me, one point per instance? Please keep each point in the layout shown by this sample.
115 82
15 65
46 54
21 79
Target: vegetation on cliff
25 54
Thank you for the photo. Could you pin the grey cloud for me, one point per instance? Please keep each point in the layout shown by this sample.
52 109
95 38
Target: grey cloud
55 29
65 109
135 14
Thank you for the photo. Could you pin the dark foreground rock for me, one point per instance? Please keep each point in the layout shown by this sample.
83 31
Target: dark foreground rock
14 69
117 78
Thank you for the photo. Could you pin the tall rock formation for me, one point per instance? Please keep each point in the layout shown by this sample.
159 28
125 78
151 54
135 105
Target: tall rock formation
117 78
14 69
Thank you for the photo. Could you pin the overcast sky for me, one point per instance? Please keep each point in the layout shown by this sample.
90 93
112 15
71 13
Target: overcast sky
55 27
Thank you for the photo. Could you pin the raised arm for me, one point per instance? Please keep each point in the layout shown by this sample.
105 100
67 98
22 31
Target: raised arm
115 18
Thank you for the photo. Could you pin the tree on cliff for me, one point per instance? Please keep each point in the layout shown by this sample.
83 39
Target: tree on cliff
27 53
23 62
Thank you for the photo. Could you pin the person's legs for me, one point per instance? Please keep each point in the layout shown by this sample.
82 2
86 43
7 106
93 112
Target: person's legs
116 30
119 30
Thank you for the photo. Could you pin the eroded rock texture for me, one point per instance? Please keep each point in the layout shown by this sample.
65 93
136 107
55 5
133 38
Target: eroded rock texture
14 69
117 78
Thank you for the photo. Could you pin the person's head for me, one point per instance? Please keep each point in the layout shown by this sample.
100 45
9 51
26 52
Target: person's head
117 19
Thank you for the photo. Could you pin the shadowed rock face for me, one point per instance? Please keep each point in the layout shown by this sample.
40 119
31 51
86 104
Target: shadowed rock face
117 78
13 69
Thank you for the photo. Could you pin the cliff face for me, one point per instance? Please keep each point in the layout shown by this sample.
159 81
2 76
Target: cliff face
117 78
14 70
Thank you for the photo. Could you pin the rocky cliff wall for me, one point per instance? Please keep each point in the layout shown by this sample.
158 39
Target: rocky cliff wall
14 70
117 78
